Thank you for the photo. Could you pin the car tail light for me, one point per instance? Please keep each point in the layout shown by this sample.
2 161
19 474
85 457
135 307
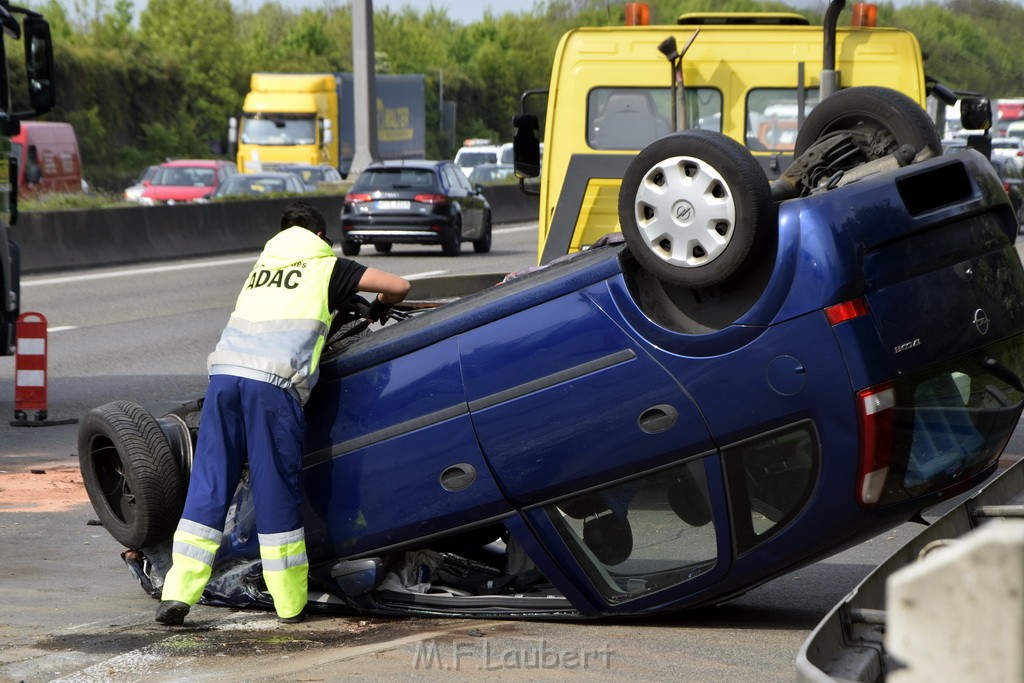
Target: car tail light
1006 185
847 310
357 197
430 198
876 409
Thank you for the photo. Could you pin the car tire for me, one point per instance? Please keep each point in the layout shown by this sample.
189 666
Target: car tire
350 247
483 245
382 247
882 119
451 242
133 480
695 208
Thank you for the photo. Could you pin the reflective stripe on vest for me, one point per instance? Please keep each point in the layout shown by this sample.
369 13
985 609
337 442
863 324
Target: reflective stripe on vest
281 317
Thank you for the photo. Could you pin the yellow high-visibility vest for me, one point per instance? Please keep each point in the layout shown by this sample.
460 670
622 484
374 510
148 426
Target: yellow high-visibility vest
281 317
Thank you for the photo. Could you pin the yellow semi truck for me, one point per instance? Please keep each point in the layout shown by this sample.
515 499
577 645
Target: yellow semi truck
751 76
307 118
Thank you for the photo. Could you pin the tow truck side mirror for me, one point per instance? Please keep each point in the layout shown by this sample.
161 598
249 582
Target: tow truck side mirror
976 113
526 146
39 64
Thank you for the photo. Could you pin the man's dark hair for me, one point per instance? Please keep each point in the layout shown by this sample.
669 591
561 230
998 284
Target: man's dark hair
304 215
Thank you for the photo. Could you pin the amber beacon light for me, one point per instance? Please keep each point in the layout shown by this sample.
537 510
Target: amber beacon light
865 15
637 14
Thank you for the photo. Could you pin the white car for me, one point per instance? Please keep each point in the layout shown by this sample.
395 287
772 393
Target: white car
471 156
1009 147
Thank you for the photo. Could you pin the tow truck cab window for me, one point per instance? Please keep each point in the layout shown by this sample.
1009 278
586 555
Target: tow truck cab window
632 118
773 117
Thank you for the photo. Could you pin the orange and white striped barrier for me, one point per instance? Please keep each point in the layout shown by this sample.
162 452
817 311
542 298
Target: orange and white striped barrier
30 366
30 376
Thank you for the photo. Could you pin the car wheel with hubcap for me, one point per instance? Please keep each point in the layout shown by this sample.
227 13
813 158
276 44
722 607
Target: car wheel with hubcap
695 208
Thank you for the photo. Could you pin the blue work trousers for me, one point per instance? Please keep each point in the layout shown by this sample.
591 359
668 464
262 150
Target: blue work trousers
248 419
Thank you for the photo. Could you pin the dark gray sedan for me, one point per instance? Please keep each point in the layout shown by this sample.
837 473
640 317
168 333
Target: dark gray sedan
415 202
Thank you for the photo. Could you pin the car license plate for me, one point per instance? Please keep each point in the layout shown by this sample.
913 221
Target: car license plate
393 205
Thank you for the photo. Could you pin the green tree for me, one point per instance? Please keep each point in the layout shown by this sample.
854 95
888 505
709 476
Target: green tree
197 37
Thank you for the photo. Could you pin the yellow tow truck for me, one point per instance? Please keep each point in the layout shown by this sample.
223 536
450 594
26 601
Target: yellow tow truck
751 76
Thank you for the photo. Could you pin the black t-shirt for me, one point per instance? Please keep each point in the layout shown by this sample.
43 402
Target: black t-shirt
344 282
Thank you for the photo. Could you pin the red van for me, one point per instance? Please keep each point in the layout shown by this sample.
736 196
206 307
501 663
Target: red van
48 158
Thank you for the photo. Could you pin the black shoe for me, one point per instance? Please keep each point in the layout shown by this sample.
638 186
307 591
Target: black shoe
297 619
171 612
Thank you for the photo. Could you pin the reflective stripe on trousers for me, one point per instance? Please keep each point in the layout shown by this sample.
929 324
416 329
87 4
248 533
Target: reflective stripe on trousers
286 570
195 546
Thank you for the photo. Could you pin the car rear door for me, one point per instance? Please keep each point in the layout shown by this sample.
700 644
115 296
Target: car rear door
606 457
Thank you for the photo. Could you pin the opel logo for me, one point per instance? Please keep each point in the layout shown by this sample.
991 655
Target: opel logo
683 212
981 321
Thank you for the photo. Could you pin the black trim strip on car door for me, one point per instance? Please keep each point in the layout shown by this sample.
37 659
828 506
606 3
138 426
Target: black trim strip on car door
437 416
384 434
552 379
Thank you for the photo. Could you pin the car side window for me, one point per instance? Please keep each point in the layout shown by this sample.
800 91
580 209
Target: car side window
451 178
770 480
460 179
669 515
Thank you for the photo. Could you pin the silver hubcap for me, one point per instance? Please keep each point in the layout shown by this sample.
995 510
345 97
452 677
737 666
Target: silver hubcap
685 211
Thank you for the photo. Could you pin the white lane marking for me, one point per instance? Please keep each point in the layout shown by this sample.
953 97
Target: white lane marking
129 272
134 271
61 328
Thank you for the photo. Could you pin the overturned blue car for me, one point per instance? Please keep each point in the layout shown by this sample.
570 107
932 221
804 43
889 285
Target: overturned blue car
755 376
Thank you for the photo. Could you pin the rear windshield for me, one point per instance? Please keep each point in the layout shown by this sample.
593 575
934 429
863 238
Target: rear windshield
952 421
178 176
396 179
476 158
246 184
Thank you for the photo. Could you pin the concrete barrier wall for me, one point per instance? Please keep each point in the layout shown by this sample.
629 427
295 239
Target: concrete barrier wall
57 240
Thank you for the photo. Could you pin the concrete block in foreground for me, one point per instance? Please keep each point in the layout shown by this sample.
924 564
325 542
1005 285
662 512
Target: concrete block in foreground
958 613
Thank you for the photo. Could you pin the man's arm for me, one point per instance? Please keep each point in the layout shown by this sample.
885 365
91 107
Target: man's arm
391 289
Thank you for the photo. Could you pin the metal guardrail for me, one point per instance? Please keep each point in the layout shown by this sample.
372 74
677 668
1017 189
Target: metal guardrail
848 644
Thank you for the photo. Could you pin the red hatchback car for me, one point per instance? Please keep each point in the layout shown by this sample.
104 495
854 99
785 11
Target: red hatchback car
185 180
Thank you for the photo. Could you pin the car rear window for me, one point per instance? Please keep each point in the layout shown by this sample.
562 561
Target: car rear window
396 179
185 176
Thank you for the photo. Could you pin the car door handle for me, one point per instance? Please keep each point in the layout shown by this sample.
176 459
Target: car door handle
458 477
658 418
